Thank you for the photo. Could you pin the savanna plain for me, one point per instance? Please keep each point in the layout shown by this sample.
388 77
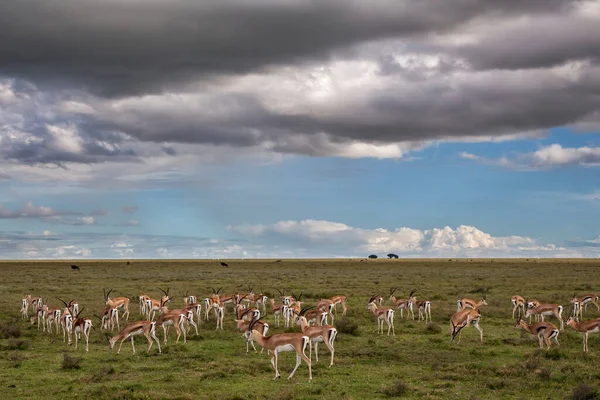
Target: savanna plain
418 362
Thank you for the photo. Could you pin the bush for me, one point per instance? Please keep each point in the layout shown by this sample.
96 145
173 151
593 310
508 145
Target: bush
8 330
344 326
18 344
432 328
584 392
70 362
398 389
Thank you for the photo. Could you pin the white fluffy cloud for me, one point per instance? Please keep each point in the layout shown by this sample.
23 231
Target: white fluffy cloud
552 156
339 238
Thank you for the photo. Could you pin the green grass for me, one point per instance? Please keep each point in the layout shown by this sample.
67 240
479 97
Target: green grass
419 362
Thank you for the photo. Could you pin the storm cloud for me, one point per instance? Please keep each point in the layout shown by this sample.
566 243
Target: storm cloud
89 83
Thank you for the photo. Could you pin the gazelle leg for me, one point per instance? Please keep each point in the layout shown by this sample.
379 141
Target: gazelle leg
298 361
132 345
480 331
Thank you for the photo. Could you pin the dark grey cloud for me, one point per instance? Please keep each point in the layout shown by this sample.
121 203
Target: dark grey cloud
123 47
126 82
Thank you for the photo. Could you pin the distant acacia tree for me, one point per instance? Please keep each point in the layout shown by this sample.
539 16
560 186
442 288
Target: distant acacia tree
392 255
372 256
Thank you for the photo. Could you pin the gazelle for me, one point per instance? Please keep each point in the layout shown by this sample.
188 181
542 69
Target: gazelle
278 311
153 306
317 317
25 302
382 315
323 333
424 307
143 299
547 309
585 327
52 315
462 319
220 315
586 299
280 342
326 305
285 299
118 302
339 300
146 328
260 325
81 326
466 303
518 303
576 308
544 331
110 318
174 318
401 304
261 301
531 304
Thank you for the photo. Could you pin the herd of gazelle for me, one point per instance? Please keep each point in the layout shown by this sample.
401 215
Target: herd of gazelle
249 307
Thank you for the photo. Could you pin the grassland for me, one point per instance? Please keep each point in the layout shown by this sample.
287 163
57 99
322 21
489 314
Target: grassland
419 362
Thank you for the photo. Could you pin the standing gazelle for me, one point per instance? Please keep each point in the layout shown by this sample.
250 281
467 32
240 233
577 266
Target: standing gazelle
282 342
118 302
323 333
401 304
585 327
518 303
466 303
382 315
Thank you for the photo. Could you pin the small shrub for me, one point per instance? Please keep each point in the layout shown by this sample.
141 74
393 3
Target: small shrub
343 325
553 354
532 363
545 374
70 362
398 389
496 385
584 392
432 328
18 344
8 330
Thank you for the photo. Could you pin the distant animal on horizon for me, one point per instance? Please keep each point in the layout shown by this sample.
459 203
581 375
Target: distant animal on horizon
223 264
75 267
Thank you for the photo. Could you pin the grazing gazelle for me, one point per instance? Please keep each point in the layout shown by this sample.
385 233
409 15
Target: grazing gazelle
146 328
585 327
462 319
382 315
282 342
544 331
547 309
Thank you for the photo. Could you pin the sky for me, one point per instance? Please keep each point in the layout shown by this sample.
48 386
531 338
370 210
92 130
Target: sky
287 128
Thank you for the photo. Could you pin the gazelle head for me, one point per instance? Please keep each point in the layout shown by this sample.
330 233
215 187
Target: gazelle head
300 315
165 299
392 291
106 296
520 323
